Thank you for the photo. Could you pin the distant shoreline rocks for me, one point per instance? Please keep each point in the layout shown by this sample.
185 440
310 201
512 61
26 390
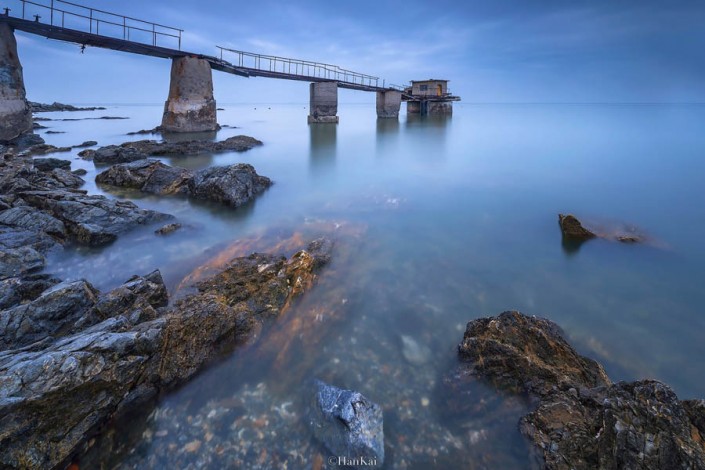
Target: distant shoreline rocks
55 106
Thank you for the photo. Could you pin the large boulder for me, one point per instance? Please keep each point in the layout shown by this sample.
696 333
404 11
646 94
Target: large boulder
232 185
149 176
48 164
582 420
572 229
348 424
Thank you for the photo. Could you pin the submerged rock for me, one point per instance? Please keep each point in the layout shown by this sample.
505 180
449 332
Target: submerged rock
142 149
582 421
574 233
167 229
232 185
348 424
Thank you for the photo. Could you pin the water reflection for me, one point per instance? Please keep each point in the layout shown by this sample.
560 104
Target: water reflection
387 135
323 147
427 135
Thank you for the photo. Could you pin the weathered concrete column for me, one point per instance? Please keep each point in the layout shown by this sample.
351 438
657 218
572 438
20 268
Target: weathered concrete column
190 106
324 102
15 113
413 107
440 108
388 104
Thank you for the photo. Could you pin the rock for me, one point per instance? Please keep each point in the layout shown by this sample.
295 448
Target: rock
44 108
138 348
62 309
16 290
141 149
572 229
87 143
582 420
413 352
167 229
18 261
36 126
91 220
156 130
43 149
55 132
348 424
233 185
48 164
80 172
33 220
26 141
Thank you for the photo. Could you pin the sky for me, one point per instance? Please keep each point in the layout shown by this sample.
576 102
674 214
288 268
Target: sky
499 51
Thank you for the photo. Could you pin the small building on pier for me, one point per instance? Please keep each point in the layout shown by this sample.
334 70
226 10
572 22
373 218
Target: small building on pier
429 97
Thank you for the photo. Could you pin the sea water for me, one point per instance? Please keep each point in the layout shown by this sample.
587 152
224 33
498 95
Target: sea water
457 218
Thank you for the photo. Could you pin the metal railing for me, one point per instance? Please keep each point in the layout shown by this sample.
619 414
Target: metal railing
301 68
72 15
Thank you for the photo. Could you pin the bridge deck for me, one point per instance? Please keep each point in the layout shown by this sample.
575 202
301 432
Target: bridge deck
107 42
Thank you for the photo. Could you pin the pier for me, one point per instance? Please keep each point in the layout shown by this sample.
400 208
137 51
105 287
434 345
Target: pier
190 106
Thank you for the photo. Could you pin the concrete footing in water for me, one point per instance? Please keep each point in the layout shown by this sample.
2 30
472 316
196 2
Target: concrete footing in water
388 104
15 112
324 103
190 106
430 108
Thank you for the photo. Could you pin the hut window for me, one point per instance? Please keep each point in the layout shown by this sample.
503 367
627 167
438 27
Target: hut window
423 87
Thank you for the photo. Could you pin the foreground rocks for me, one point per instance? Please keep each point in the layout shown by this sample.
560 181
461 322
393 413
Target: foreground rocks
109 352
348 424
583 420
41 208
232 185
142 149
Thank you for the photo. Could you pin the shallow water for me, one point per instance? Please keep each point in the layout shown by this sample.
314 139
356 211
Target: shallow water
456 218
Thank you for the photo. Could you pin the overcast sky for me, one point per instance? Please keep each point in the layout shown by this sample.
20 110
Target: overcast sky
492 51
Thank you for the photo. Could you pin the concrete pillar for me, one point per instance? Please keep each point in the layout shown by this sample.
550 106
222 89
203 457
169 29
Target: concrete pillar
15 113
324 102
440 108
413 107
388 104
190 106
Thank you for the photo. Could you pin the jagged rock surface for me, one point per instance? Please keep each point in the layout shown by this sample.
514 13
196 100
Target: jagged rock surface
583 420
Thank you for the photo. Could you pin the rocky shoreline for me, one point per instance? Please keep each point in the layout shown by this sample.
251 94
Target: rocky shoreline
581 420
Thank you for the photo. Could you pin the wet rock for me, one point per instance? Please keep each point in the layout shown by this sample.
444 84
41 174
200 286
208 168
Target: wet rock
80 172
156 130
232 185
522 353
61 309
347 423
572 229
48 164
25 141
16 290
582 421
44 108
141 149
167 229
19 261
33 220
137 348
36 126
87 143
91 220
150 176
55 132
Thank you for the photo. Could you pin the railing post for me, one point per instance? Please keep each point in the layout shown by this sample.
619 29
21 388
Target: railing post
23 4
124 28
51 14
154 35
90 19
180 40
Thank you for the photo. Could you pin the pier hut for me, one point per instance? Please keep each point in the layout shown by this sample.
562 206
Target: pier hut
429 97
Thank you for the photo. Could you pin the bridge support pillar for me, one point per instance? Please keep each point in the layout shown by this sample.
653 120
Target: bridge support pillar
324 103
190 106
15 112
388 104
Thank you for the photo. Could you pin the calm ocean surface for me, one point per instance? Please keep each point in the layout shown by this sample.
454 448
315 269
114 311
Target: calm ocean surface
458 220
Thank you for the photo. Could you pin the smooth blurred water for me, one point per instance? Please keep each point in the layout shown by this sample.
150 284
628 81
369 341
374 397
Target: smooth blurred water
461 222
